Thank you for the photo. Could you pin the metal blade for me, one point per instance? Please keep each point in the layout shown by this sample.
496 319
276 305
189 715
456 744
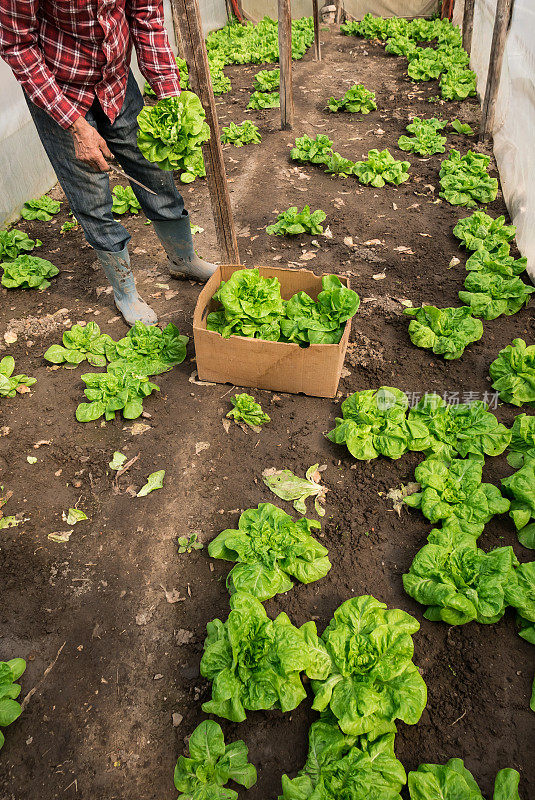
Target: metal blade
133 180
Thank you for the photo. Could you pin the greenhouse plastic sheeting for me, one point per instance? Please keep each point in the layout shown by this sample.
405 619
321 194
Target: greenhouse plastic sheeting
514 122
25 171
357 8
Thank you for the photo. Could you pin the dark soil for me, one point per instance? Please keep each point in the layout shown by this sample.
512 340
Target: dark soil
100 726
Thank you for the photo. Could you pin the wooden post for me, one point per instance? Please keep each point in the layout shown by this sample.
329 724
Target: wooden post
468 24
285 64
189 20
339 10
499 37
316 16
178 34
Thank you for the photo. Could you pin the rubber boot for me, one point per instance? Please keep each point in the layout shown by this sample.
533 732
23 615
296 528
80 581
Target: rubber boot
117 269
177 241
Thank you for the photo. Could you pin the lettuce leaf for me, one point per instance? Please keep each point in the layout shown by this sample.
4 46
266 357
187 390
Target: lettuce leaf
255 662
9 383
464 180
109 392
372 679
124 200
490 295
381 168
270 549
356 99
293 222
81 343
147 349
452 781
267 80
481 231
521 488
15 242
247 410
497 261
10 710
28 272
240 135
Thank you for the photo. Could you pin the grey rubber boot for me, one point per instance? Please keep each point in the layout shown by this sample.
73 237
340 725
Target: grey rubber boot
117 269
177 241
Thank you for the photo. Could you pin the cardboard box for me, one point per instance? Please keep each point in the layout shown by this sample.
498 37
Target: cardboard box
314 370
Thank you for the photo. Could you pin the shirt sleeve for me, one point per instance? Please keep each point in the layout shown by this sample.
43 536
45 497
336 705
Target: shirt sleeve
20 49
155 57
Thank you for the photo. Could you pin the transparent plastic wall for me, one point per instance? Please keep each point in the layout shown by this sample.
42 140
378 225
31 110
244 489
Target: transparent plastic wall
357 8
25 171
514 123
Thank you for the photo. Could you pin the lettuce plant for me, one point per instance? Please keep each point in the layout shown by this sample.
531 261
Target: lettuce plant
81 343
124 200
109 392
10 710
464 180
520 487
220 82
380 168
267 80
270 549
261 100
338 165
372 679
9 383
211 765
480 231
490 295
257 44
462 127
520 593
315 150
246 409
523 437
28 272
445 331
239 135
251 304
340 766
15 242
461 583
147 349
458 83
171 134
255 663
463 429
401 45
293 222
426 140
452 781
42 208
425 64
452 487
513 373
498 261
356 99
370 27
374 422
322 321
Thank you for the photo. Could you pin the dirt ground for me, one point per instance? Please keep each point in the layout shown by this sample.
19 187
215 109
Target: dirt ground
100 726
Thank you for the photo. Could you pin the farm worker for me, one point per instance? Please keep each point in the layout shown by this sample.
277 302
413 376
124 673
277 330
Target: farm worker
72 59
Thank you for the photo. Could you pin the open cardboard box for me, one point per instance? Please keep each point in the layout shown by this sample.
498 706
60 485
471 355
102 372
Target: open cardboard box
314 370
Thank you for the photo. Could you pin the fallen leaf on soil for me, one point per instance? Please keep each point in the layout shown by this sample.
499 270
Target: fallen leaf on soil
426 234
193 379
345 372
137 428
113 319
226 424
31 459
379 276
177 719
373 242
453 263
288 486
277 258
60 536
398 495
170 294
379 132
307 256
328 233
73 516
403 249
41 442
103 290
10 337
394 206
200 446
173 595
406 303
21 389
162 285
348 240
9 522
117 460
154 481
338 202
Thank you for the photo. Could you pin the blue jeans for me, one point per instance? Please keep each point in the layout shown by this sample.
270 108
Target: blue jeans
88 192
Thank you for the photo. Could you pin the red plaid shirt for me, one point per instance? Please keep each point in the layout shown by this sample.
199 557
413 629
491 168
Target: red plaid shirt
64 52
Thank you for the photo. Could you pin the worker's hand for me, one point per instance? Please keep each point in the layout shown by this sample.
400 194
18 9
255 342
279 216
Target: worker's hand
89 146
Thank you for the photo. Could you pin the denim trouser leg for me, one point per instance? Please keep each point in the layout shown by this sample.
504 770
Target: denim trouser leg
88 192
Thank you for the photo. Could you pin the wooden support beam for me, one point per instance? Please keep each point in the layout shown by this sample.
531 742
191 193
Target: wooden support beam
339 10
468 24
316 17
285 64
504 9
189 21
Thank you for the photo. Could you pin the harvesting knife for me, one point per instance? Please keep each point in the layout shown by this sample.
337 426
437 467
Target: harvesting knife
121 172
